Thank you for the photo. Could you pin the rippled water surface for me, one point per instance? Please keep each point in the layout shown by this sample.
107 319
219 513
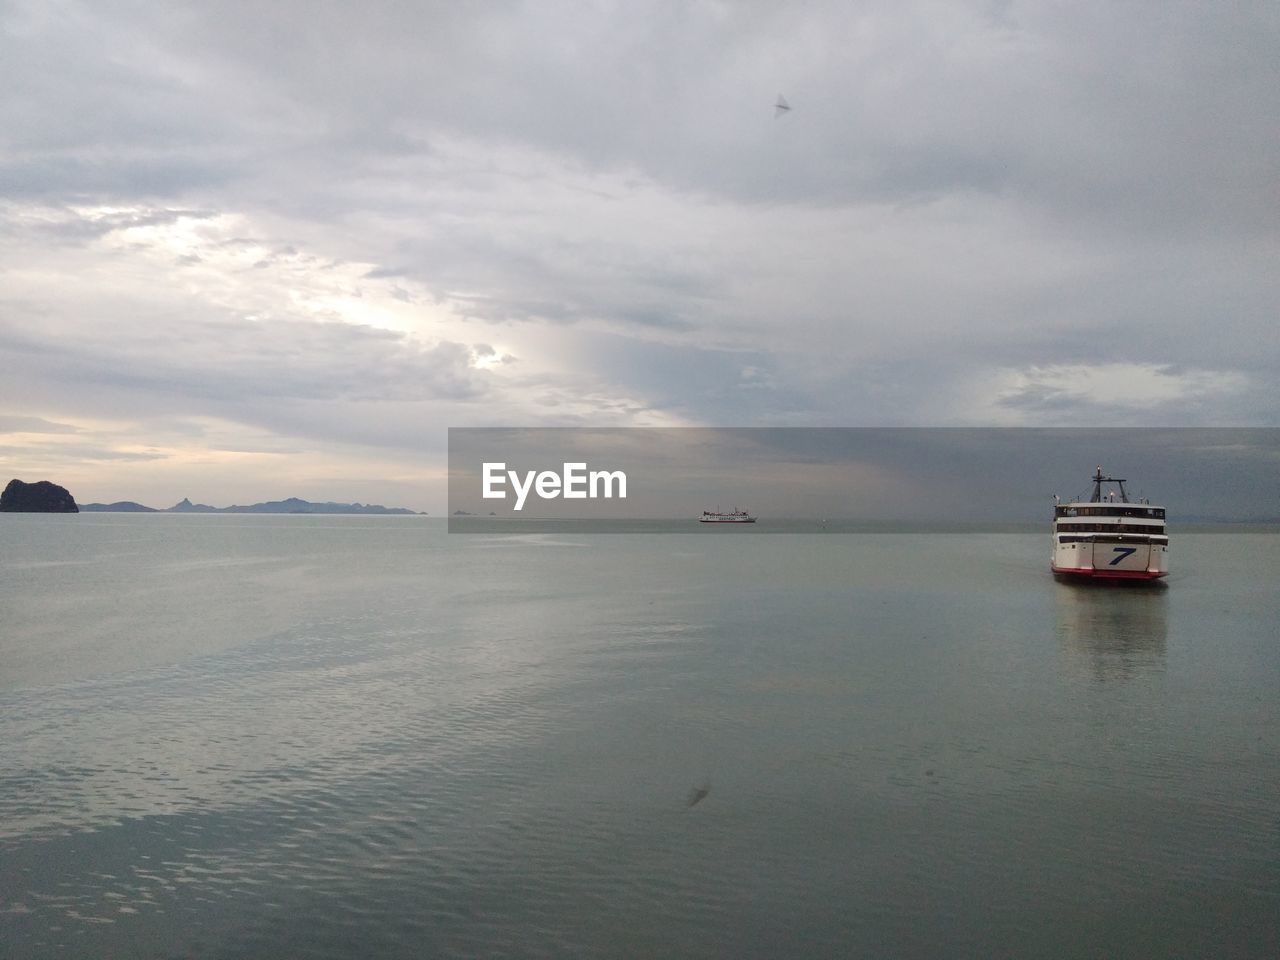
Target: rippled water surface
348 737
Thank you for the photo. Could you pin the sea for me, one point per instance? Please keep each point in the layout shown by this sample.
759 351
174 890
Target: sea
338 737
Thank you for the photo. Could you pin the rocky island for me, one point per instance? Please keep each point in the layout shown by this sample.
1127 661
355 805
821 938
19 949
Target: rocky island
39 497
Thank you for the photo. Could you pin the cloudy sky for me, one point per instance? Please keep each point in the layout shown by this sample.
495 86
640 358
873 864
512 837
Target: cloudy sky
255 250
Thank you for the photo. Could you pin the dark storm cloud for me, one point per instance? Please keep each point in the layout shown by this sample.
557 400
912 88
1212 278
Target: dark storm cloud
1097 111
242 359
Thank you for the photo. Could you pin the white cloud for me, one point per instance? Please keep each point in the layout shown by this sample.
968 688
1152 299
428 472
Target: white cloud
1128 389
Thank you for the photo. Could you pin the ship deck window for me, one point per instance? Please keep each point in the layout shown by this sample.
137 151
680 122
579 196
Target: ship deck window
1111 528
1110 510
1106 538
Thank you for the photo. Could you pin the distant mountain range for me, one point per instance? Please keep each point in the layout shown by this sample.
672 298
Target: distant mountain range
291 505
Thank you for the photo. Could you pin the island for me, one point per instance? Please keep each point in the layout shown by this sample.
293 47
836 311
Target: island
39 497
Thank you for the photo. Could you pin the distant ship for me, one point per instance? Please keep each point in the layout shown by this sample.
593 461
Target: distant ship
1109 539
733 516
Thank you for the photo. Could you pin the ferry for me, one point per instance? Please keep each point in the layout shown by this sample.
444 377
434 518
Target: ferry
733 516
1109 538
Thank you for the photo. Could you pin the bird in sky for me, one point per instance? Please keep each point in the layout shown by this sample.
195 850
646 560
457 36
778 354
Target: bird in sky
781 108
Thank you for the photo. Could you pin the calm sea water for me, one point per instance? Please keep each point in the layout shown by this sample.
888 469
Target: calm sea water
363 737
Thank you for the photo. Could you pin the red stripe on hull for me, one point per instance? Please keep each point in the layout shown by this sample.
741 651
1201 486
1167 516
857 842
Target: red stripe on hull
1089 573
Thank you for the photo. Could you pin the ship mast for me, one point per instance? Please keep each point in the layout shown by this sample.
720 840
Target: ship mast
1099 480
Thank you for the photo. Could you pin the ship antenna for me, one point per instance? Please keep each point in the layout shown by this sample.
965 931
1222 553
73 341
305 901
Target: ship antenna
1099 480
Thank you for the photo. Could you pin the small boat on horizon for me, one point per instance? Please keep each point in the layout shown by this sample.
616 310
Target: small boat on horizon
733 516
1109 539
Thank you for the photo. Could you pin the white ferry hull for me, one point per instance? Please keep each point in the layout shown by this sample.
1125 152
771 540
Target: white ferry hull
730 516
1101 573
1108 539
1111 558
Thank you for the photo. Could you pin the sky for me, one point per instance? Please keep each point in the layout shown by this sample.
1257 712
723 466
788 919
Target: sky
250 251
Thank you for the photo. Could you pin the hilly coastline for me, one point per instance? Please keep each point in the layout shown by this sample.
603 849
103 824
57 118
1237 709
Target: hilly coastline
46 497
289 505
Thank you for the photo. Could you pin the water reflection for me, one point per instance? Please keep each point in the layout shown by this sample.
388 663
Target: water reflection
1113 631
